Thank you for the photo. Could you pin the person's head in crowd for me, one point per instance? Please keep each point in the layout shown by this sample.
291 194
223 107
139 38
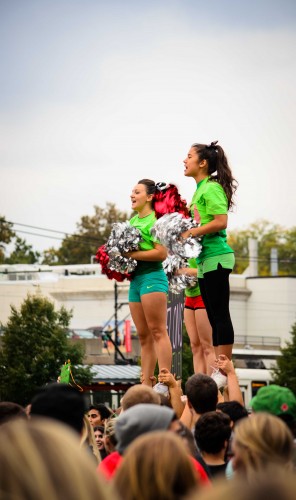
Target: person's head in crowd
99 436
109 435
261 440
60 402
233 409
98 414
202 393
165 400
270 484
100 440
88 440
10 411
156 466
139 394
140 419
188 439
212 432
41 459
277 400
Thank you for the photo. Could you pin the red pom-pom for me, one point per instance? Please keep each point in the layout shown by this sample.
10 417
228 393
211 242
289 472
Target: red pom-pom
168 201
103 258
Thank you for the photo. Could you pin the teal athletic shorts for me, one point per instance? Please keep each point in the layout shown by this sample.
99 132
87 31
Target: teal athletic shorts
147 283
211 263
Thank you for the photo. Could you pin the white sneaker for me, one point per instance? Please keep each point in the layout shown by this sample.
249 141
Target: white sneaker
161 389
220 379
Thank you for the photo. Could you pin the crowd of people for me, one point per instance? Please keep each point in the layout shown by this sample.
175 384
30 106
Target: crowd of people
162 443
148 448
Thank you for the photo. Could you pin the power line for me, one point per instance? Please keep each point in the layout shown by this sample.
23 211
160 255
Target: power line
76 237
93 240
81 239
36 227
40 235
48 230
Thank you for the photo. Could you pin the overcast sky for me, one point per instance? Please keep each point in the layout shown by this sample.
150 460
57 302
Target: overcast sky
97 94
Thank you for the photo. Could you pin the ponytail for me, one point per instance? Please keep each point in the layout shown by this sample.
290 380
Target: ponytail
218 165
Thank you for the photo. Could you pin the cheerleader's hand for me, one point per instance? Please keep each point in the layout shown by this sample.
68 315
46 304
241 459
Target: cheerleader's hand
167 378
225 364
128 255
186 234
181 271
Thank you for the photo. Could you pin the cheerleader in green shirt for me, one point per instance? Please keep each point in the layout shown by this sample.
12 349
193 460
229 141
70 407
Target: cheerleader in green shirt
149 286
215 188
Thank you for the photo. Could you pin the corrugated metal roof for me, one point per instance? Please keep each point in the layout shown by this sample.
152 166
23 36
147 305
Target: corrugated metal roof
116 373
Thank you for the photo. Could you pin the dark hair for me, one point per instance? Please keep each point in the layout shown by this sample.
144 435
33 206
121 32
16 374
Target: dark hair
9 411
211 431
166 199
149 184
202 393
102 409
217 162
60 402
165 401
188 437
234 409
99 428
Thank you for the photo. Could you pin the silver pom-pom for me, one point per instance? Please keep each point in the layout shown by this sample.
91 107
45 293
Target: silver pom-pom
168 230
123 238
177 283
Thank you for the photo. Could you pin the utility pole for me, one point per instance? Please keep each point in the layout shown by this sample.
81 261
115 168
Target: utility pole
116 320
274 265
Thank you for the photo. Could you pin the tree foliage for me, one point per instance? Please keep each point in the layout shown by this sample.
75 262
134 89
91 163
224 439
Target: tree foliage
6 235
269 236
187 359
34 347
285 370
92 232
22 253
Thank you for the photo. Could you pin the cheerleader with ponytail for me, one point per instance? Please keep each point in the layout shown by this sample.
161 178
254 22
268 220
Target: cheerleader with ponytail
213 197
149 285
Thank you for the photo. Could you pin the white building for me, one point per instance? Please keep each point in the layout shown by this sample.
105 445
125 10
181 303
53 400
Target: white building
263 309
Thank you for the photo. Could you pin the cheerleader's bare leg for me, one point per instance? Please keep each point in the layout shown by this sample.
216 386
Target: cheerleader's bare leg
155 311
148 353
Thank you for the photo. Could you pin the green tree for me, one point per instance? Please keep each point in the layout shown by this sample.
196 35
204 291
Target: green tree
50 257
269 236
6 235
34 347
187 360
22 253
285 370
92 232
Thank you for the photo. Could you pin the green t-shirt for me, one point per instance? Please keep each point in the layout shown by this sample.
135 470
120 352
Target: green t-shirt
192 291
145 224
208 200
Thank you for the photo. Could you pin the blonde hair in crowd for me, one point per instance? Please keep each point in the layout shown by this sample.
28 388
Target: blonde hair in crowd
41 460
88 439
273 483
110 437
156 465
262 440
139 393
